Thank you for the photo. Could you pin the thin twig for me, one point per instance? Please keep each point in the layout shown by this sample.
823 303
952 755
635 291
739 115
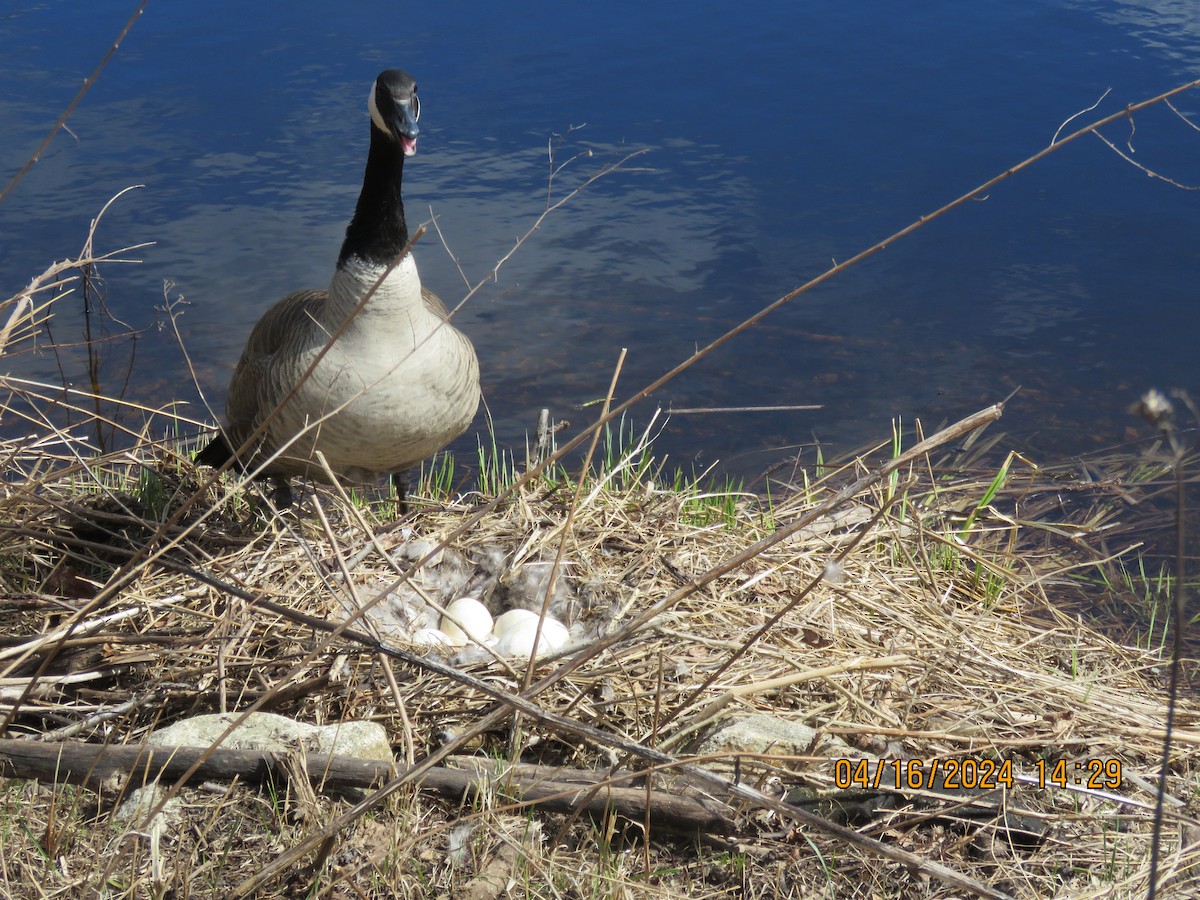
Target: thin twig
702 410
79 95
1137 165
1070 119
1187 121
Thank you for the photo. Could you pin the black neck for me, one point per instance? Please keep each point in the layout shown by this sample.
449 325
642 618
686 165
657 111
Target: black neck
378 232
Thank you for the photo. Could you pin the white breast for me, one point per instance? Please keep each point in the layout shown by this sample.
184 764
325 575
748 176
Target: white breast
397 385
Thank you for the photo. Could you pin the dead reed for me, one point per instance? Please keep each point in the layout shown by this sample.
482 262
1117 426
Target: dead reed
940 611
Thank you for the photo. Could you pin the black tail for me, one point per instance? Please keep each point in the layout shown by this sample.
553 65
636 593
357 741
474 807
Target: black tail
216 454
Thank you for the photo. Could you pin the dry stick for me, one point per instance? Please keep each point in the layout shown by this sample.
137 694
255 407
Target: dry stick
1137 165
704 410
450 253
79 95
1175 674
86 258
555 790
153 697
710 710
521 703
86 255
861 534
56 398
537 784
567 523
554 569
946 435
388 673
1086 109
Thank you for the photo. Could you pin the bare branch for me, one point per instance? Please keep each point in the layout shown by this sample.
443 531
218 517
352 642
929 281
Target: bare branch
84 88
1137 165
1189 122
445 246
1070 119
26 313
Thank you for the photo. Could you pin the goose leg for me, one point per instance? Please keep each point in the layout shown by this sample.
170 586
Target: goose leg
281 492
400 483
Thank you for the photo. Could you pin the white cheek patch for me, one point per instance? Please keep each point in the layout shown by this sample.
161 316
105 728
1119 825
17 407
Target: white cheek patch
374 110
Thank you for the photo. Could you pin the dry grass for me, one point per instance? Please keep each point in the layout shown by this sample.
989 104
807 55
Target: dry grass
917 622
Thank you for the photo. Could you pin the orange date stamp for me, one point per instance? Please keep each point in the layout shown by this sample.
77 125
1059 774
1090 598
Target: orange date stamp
1093 774
924 774
969 773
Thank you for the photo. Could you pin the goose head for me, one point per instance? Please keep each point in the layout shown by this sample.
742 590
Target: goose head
378 231
395 108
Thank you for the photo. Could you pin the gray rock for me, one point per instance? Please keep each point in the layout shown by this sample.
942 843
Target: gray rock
768 734
260 731
267 731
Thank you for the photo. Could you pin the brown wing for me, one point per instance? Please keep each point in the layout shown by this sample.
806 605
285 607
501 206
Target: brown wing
252 391
280 322
434 304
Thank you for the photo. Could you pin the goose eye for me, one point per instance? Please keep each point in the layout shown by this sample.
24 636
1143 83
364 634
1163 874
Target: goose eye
416 108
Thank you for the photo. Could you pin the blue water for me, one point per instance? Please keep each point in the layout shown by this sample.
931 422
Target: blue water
780 137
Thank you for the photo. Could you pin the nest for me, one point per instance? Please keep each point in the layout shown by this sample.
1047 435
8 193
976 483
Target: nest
917 610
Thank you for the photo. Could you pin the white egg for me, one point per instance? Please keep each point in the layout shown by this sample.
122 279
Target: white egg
508 621
429 638
465 617
518 640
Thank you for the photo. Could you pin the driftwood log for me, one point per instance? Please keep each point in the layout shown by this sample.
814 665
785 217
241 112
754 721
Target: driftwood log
683 809
101 766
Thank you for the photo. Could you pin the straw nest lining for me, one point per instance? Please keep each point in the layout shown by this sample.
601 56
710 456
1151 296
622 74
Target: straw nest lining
946 631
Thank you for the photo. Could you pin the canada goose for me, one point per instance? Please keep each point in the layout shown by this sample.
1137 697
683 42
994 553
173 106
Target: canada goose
400 382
